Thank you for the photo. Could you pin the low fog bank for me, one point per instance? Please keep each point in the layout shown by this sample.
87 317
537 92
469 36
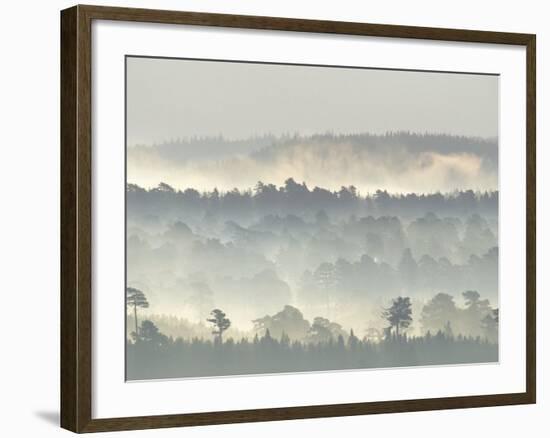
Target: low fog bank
399 162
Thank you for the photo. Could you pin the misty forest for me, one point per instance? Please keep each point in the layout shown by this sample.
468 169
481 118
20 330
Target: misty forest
265 255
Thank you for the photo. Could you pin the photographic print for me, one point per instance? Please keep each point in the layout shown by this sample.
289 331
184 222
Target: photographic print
285 218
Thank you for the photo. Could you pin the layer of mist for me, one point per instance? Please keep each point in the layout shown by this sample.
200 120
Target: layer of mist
281 254
332 254
397 162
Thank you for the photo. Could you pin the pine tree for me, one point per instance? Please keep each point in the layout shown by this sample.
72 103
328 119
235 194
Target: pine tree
399 314
220 322
136 298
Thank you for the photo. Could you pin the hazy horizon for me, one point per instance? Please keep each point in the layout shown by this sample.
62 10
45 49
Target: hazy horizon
204 124
179 98
302 259
293 134
397 162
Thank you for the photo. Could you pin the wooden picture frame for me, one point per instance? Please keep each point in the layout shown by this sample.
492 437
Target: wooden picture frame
76 217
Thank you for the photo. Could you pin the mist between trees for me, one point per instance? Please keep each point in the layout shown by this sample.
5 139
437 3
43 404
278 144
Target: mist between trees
286 342
296 268
193 252
397 161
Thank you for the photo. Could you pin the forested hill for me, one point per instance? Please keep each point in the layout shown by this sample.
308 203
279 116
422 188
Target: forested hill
397 162
265 145
392 141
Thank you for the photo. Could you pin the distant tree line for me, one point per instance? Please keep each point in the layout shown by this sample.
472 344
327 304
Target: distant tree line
156 356
413 141
363 279
296 198
325 345
265 147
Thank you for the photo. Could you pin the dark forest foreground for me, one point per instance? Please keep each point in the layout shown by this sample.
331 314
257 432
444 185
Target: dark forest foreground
199 358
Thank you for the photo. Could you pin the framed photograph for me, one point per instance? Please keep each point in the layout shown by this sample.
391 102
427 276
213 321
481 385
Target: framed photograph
272 218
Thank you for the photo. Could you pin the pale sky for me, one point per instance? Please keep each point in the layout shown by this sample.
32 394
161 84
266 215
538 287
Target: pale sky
173 98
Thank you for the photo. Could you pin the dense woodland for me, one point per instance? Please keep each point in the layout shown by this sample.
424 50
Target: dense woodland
193 253
304 272
286 342
400 162
298 199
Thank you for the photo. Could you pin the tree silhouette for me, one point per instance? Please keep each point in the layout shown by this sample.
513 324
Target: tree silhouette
471 298
323 330
320 330
476 309
489 324
136 298
220 322
149 332
289 321
399 314
440 310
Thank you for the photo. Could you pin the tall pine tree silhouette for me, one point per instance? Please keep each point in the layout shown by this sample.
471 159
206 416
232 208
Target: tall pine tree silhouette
221 323
136 298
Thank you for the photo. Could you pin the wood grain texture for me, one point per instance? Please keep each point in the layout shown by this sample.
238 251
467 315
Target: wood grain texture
531 217
76 217
76 220
69 329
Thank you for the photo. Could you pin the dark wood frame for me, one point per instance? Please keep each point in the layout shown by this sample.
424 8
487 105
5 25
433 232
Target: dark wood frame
76 218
